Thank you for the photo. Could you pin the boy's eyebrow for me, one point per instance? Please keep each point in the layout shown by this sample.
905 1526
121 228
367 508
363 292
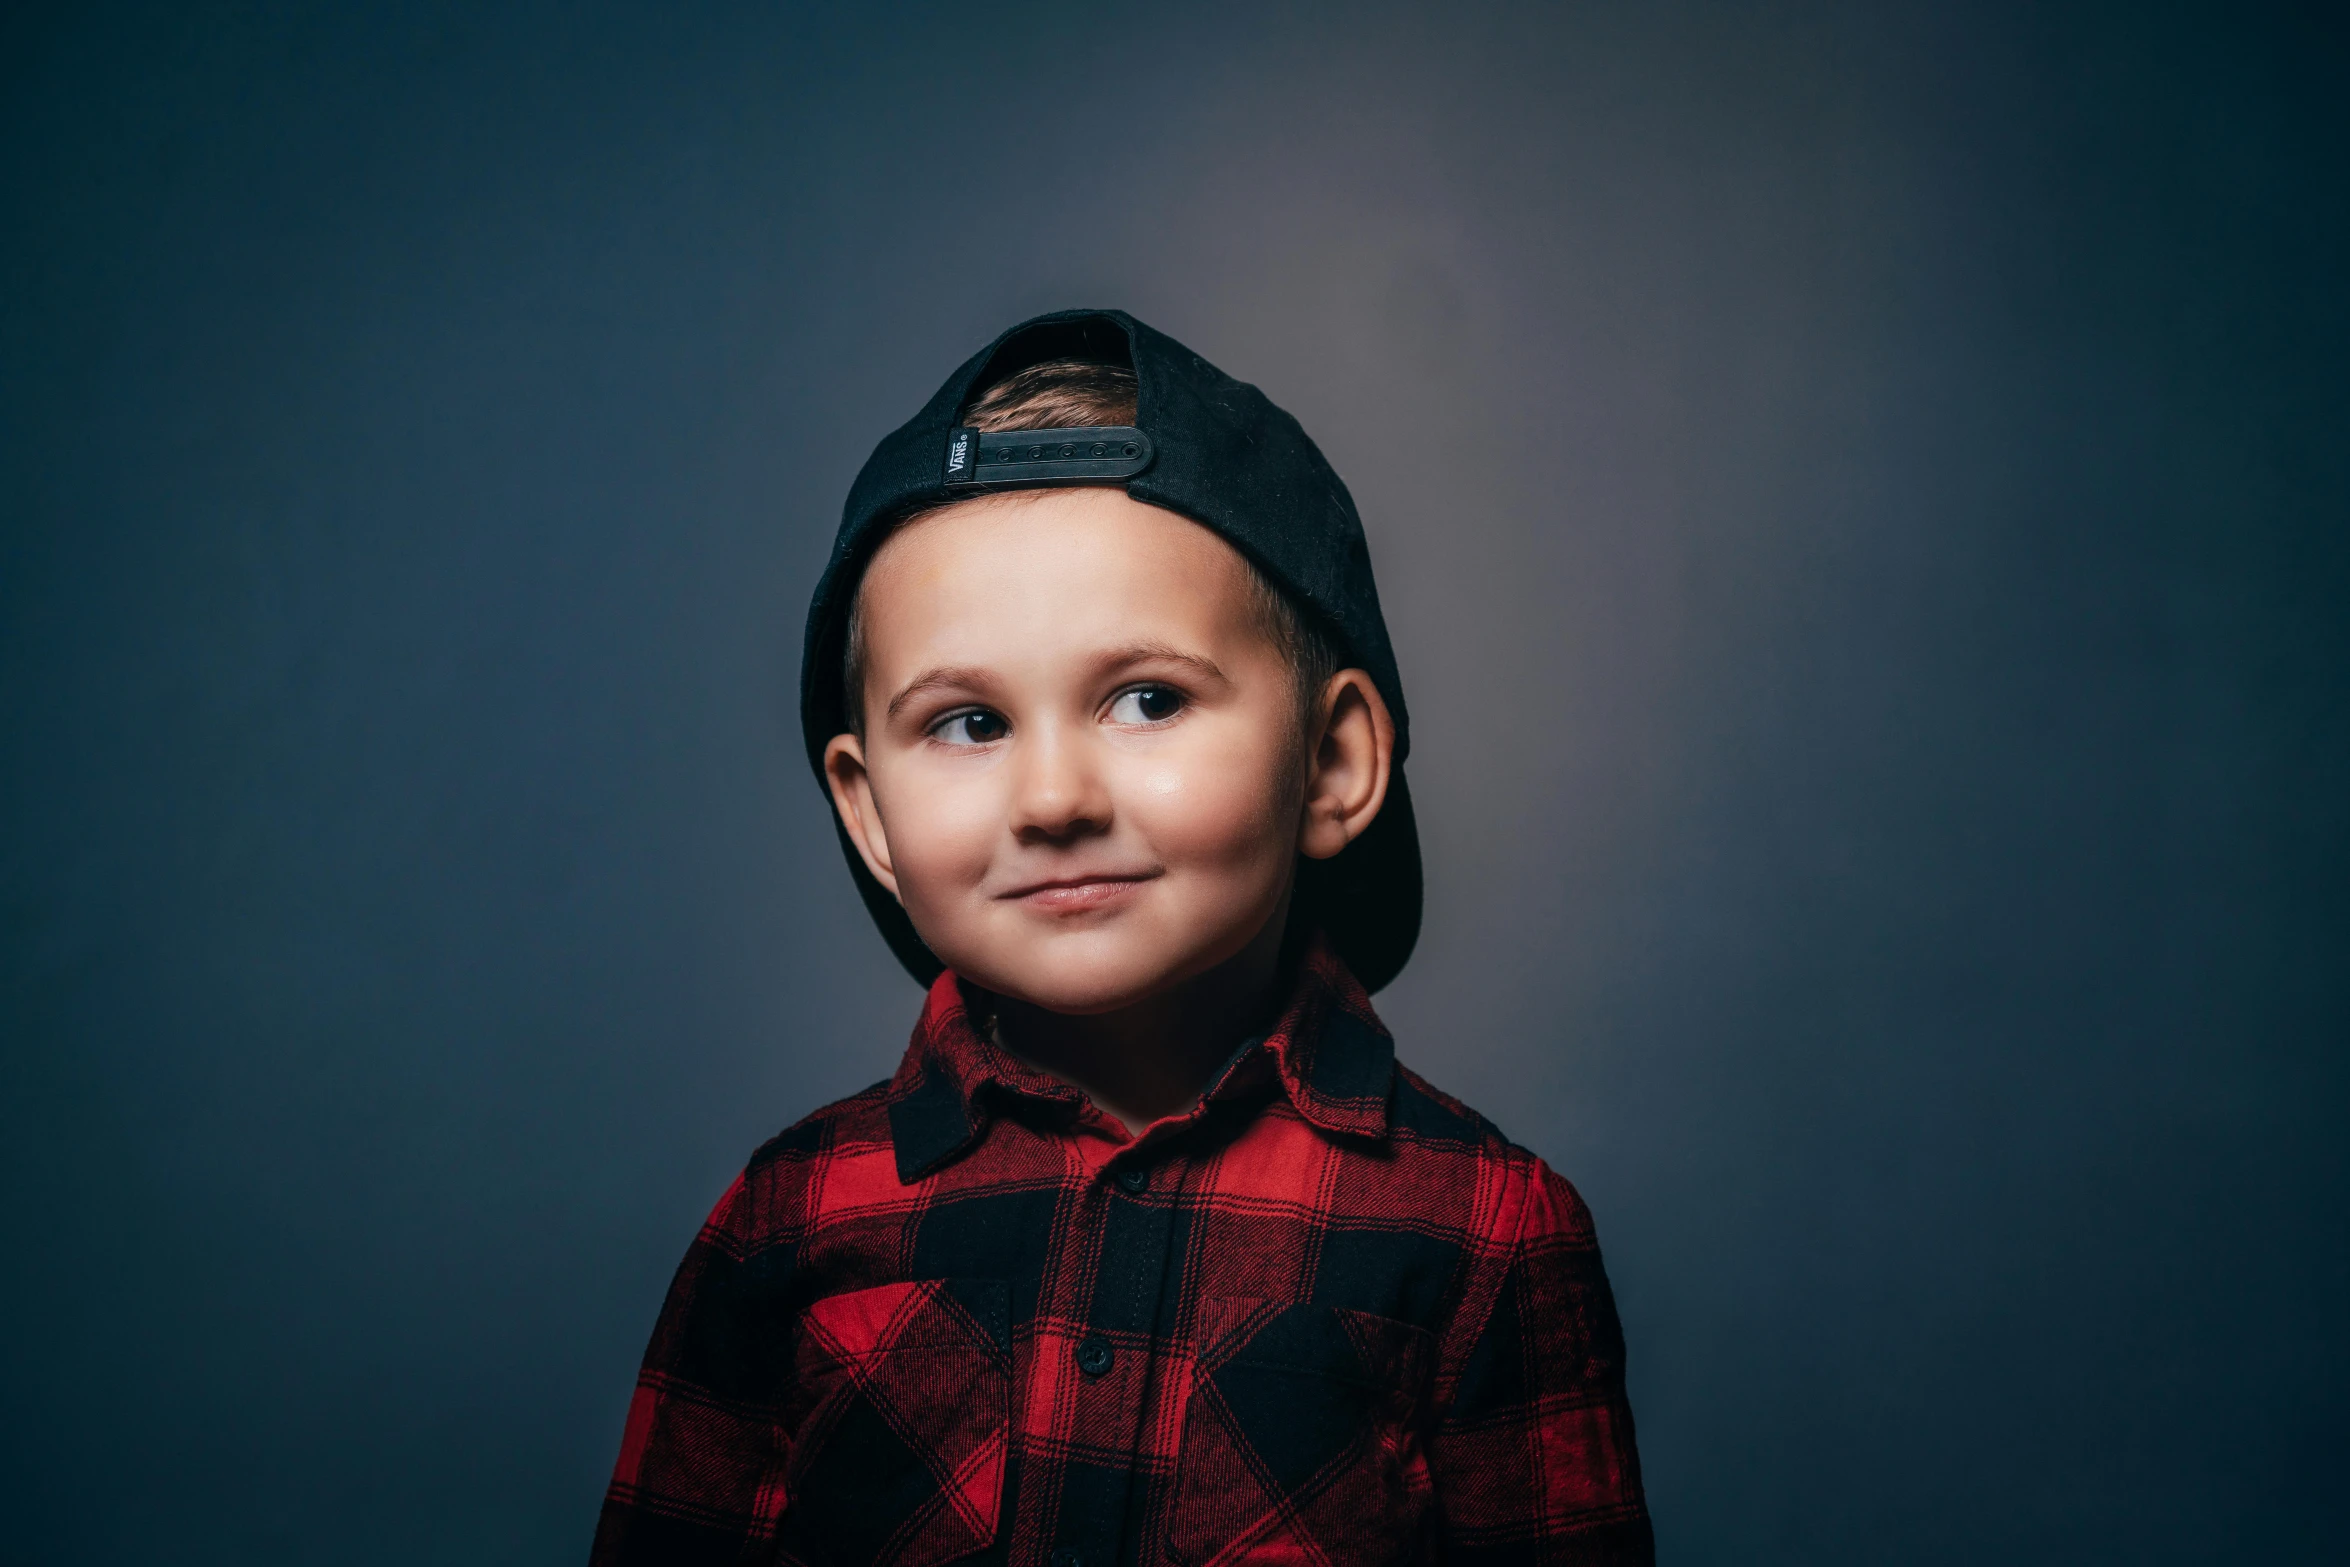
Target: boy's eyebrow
1160 652
961 675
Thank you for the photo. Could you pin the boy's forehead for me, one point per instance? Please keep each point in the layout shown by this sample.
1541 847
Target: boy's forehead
1050 558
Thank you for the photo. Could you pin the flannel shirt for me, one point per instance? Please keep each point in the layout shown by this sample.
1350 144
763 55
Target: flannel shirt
1329 1316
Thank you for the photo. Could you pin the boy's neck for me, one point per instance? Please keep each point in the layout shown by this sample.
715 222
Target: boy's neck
1154 1059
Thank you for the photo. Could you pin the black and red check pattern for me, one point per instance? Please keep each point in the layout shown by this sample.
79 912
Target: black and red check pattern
1328 1317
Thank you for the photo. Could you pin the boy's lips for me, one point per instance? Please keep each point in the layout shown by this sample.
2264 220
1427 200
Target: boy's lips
1093 890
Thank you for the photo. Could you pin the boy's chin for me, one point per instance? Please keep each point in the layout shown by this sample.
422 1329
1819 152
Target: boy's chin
1078 983
1088 997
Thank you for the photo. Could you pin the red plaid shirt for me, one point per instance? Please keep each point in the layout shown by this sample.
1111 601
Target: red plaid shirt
1328 1317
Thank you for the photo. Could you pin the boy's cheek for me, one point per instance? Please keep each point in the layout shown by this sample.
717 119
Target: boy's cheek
940 838
1221 805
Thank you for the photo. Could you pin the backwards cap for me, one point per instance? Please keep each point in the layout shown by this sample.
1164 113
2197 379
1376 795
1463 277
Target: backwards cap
1204 445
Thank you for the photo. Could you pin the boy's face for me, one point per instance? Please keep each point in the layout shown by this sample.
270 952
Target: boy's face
1084 771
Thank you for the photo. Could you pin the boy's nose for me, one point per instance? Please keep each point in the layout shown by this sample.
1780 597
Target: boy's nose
1056 792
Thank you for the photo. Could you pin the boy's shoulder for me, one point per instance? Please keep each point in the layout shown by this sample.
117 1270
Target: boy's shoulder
858 1118
1421 1111
1424 1113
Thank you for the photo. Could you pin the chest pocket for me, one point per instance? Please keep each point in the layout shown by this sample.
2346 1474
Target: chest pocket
903 1420
1299 1438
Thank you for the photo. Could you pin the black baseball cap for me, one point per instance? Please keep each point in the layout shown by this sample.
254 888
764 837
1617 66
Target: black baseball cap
1208 447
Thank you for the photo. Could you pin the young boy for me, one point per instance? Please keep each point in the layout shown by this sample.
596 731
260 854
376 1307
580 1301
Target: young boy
1149 1252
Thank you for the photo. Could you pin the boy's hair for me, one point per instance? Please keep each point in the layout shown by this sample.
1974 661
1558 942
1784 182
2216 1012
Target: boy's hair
1058 394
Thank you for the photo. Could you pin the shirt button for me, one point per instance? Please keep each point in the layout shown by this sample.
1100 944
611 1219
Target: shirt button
1134 1177
1094 1356
1065 1557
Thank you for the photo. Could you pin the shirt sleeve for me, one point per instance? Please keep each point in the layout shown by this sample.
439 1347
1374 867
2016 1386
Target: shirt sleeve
1532 1455
700 1476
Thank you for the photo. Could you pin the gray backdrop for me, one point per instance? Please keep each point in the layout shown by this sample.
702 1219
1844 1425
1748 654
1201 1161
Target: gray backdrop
1860 496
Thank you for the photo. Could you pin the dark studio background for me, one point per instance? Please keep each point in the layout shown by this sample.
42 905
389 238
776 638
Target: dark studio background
1860 495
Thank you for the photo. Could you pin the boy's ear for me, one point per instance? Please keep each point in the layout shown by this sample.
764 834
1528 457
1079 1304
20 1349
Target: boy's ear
852 796
1347 769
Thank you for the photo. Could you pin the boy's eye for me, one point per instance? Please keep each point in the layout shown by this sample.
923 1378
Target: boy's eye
972 726
1146 705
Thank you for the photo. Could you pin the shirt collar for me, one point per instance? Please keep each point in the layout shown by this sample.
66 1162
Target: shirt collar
1333 1057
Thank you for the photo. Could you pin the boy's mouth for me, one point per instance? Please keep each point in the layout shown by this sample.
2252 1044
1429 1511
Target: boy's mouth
1070 894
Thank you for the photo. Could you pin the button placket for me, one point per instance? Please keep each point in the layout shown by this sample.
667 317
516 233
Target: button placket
1131 1276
